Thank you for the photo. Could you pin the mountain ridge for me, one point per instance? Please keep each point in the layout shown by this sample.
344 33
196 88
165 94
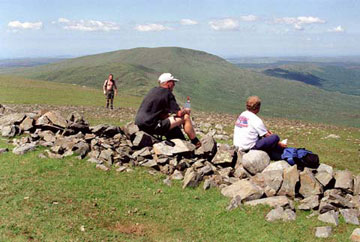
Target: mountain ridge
213 83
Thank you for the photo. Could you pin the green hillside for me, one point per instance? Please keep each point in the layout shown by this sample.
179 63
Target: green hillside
213 83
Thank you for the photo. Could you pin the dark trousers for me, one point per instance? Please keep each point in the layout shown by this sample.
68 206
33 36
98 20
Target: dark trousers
270 145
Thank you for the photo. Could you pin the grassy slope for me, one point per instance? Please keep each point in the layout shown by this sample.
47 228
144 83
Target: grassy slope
213 83
49 200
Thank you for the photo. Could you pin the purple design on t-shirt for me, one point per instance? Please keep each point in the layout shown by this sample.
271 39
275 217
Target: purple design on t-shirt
241 122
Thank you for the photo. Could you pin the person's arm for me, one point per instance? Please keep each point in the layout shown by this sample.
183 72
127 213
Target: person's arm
115 88
104 86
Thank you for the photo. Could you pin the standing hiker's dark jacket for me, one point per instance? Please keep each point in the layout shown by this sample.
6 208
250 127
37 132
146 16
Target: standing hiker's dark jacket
157 104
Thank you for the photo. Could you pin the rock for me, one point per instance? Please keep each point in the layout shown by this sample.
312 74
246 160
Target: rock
350 216
111 131
205 170
107 156
56 119
241 173
357 185
150 163
277 166
209 183
144 152
9 131
98 129
255 161
330 217
308 184
27 124
191 178
4 150
121 169
177 175
181 146
323 232
167 181
355 236
291 177
81 148
332 136
325 168
208 147
234 203
245 189
130 130
102 167
344 180
20 150
324 178
278 201
12 119
288 215
311 202
273 179
223 157
275 214
224 172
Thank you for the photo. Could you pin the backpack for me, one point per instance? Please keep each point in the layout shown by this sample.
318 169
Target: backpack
300 157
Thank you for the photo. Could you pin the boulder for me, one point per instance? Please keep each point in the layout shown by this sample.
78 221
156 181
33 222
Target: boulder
111 131
20 150
177 175
241 173
191 178
9 131
180 146
275 214
310 202
223 157
308 184
81 148
355 236
14 118
357 185
291 177
56 119
277 166
278 201
324 178
107 156
330 217
4 150
323 232
234 203
255 161
344 180
27 124
245 189
350 216
325 168
130 129
208 147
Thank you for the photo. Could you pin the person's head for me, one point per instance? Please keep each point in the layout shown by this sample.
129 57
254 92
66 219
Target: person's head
166 80
253 104
111 76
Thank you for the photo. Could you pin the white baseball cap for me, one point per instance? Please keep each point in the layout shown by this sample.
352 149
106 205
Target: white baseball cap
165 77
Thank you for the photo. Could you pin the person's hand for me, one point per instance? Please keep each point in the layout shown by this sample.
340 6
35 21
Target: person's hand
104 92
282 145
269 132
187 111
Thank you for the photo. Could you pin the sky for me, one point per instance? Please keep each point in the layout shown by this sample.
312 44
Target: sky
228 28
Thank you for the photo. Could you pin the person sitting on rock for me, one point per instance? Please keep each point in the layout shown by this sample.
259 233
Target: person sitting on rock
250 132
153 115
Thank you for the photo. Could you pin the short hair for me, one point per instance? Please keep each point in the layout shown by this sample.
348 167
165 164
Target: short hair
253 103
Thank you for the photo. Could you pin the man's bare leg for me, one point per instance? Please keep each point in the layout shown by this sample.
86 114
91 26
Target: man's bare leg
186 121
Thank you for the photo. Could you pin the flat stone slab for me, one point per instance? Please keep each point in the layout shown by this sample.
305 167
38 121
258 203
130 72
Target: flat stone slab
245 189
330 217
278 201
350 216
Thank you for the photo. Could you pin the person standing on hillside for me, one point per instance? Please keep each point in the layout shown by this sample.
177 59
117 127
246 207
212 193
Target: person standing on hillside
154 117
250 132
110 89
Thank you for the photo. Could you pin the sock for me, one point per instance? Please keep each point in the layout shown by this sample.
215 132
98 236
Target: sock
195 140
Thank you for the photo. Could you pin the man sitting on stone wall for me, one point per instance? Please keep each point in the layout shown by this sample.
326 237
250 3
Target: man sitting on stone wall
153 115
250 132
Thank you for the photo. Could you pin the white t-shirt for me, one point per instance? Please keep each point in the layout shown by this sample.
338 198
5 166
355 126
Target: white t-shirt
248 128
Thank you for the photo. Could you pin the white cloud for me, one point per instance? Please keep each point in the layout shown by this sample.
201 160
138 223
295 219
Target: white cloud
249 18
151 27
299 22
17 25
88 25
188 22
63 20
337 29
224 24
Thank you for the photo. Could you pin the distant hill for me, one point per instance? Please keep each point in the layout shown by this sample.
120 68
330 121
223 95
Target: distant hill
213 83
